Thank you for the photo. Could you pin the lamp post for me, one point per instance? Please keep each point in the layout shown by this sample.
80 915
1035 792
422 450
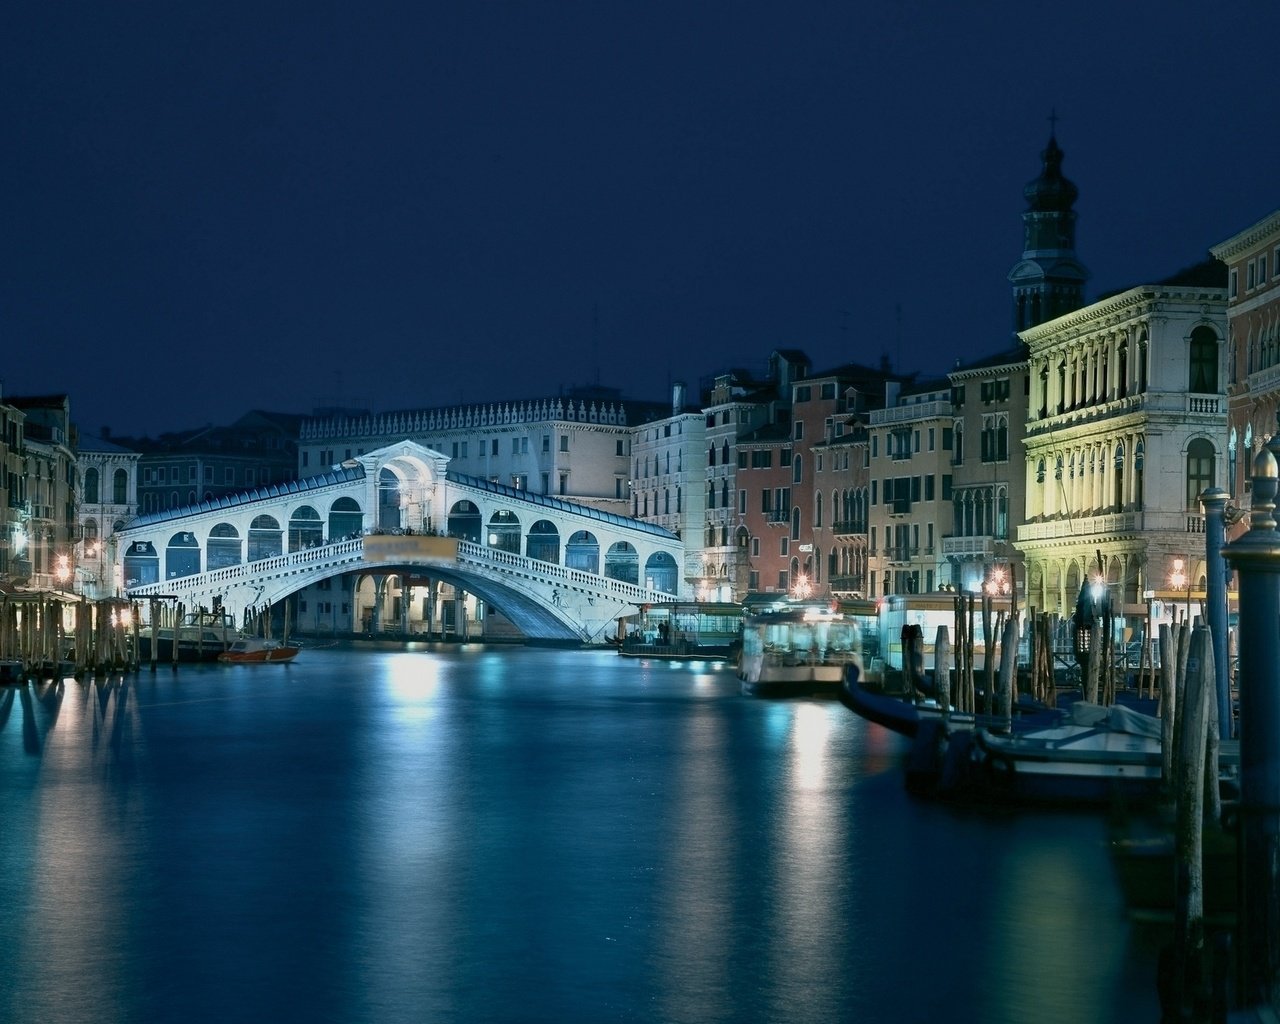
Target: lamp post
801 588
1179 579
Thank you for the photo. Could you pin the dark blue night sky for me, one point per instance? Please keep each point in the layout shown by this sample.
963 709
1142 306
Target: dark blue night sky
215 207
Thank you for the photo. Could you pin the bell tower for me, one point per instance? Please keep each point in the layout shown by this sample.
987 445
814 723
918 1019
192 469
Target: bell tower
1048 281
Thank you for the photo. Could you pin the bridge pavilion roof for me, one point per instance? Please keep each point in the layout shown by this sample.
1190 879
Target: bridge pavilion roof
340 475
589 511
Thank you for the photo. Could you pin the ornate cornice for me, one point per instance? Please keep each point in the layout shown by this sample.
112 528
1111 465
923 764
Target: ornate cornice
1249 238
1120 309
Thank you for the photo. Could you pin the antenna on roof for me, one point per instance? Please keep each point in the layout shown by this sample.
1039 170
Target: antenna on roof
897 312
595 339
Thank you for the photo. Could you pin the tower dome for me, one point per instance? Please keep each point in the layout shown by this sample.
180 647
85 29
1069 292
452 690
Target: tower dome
1050 192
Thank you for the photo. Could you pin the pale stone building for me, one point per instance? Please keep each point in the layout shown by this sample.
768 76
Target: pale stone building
108 502
1127 426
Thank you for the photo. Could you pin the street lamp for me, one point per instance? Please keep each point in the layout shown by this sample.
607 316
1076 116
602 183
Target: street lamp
997 582
1179 579
801 588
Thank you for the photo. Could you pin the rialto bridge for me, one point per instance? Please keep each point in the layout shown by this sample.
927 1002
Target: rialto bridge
558 570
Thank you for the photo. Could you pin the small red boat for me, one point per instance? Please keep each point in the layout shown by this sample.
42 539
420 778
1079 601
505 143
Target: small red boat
251 650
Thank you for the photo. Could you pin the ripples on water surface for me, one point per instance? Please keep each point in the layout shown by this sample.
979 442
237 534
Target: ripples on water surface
524 835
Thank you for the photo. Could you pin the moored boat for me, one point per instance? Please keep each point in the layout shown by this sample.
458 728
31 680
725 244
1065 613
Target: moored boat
256 650
200 636
804 648
689 630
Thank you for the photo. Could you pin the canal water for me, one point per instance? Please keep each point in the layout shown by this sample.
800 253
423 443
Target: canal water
374 834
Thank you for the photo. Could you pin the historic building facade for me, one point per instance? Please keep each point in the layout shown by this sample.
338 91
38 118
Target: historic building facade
47 530
736 406
988 489
575 445
15 566
108 502
669 461
1126 427
1252 257
911 489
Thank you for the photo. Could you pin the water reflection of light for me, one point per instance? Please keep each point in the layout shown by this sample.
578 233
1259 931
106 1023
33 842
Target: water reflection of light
84 848
802 956
1037 912
810 734
696 904
413 680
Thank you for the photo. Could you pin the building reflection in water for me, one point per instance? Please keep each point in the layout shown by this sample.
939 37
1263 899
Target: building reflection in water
81 853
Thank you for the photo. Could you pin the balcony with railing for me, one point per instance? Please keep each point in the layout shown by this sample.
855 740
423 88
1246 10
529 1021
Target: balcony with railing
968 547
907 413
1113 523
845 528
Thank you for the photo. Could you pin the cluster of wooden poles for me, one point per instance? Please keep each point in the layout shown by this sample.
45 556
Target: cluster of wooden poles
45 635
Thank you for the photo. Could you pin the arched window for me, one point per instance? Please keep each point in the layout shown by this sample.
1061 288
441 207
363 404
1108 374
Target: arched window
795 523
797 464
120 487
817 509
91 486
1204 362
1199 470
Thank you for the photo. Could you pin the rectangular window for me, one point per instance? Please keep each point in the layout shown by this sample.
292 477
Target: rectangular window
742 503
753 580
248 478
464 449
564 442
306 458
797 430
766 501
829 390
208 474
784 546
618 447
164 473
873 492
546 443
784 458
493 448
515 446
1235 284
1262 270
946 487
755 547
928 487
1251 270
803 393
229 475
742 460
455 449
932 439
